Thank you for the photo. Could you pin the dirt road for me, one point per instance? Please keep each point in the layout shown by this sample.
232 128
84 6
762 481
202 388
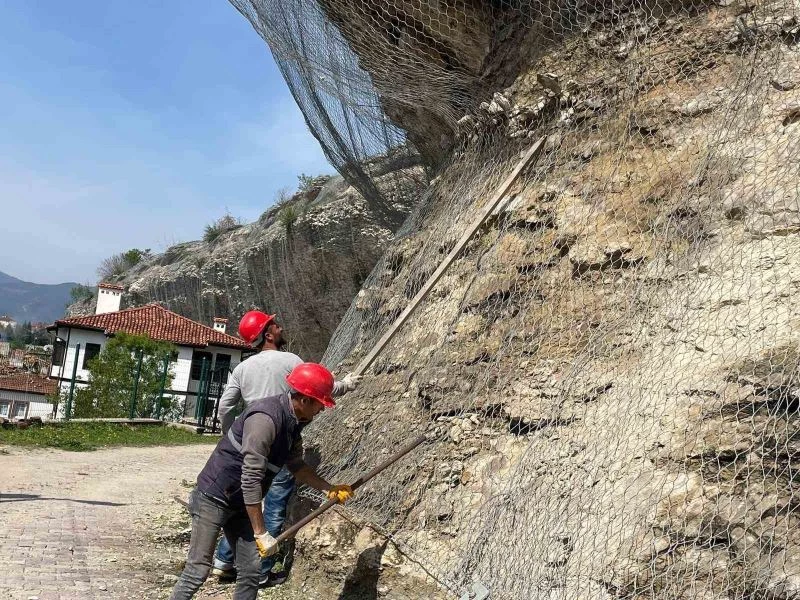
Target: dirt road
93 525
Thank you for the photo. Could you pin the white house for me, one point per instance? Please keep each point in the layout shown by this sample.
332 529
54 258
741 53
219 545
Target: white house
6 321
205 354
26 395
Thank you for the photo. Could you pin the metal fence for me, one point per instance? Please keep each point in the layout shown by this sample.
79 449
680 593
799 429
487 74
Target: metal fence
202 407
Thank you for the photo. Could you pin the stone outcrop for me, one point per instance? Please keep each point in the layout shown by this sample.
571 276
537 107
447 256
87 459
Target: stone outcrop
304 260
415 59
610 368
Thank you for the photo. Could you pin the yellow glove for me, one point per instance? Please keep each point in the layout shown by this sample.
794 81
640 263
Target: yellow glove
266 544
340 493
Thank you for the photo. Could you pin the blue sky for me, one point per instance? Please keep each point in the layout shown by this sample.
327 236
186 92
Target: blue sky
134 124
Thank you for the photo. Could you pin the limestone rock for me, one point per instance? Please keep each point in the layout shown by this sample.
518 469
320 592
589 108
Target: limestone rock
700 105
258 266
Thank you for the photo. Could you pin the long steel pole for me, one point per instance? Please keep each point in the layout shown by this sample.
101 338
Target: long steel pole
292 531
72 381
530 156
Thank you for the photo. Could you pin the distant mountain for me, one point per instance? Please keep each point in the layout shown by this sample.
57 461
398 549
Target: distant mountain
35 302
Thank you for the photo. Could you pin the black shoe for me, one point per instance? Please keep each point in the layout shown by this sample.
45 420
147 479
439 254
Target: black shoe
225 576
272 579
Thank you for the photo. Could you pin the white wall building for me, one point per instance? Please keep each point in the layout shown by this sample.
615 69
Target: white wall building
6 321
205 354
25 395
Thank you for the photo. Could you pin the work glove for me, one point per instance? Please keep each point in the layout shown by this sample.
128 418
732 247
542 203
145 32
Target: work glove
340 493
351 380
266 544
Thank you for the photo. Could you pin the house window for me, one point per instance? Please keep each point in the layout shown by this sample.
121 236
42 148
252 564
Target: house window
92 350
221 368
4 409
197 363
59 350
20 410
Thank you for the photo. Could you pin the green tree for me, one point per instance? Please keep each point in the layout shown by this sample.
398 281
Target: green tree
112 379
23 334
305 182
81 292
117 265
40 337
134 256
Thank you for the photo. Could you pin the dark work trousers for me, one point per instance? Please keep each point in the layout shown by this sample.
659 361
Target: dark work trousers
275 503
208 517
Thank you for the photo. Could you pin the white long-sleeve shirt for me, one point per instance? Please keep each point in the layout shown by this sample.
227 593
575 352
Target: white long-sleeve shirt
260 376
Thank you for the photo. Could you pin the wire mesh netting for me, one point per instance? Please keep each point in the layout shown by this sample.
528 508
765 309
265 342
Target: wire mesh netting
610 370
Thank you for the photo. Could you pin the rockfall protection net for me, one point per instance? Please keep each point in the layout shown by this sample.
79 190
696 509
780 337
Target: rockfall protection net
335 94
610 371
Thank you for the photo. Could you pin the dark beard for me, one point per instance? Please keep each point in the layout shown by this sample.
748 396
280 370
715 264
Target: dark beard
280 344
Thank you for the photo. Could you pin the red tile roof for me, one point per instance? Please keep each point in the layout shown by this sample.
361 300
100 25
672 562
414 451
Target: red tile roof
28 382
157 322
111 286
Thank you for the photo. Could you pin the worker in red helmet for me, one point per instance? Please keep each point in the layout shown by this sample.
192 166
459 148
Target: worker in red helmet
264 374
261 376
265 437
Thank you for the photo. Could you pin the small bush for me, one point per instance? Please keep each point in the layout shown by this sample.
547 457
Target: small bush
111 267
288 216
222 225
283 197
305 182
116 265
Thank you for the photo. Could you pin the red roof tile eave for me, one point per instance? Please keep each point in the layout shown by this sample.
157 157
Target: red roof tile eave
234 344
40 386
243 346
25 391
58 324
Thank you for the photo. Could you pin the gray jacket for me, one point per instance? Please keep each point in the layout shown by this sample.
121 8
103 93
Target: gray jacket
261 376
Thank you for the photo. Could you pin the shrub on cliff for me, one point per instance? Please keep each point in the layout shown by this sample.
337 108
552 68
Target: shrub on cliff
222 225
116 265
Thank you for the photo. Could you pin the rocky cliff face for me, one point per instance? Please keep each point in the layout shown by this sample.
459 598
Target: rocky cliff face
304 261
609 372
416 59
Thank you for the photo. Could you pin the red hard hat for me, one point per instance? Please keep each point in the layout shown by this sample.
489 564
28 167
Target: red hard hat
313 380
253 324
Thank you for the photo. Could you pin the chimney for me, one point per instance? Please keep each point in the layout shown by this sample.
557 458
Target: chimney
220 324
109 297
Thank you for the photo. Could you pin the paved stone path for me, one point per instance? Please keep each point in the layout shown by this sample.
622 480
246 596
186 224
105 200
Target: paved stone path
79 526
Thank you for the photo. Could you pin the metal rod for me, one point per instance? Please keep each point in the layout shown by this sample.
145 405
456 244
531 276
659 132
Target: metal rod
200 406
63 366
531 155
163 385
72 383
216 403
292 531
136 377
